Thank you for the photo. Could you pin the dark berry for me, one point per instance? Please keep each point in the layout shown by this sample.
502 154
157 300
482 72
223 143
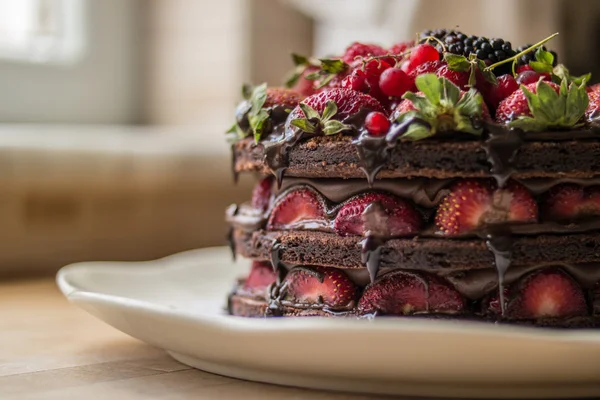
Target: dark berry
377 123
527 77
394 82
526 58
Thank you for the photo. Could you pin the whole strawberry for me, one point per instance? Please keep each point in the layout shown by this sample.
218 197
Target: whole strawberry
544 105
361 50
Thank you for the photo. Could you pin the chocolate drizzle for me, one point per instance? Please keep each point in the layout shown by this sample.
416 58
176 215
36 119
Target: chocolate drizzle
500 243
374 152
501 148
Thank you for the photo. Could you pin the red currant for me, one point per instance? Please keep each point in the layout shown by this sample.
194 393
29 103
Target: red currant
377 123
376 67
357 80
394 82
421 54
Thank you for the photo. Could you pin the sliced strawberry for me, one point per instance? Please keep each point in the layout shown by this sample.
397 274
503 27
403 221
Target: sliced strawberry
399 217
405 293
569 202
261 275
300 206
278 96
330 287
361 50
471 203
262 192
546 292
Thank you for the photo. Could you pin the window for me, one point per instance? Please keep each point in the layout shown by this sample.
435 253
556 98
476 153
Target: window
42 31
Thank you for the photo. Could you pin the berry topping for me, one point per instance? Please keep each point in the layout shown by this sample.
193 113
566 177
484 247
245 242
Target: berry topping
569 202
494 94
261 194
546 292
377 123
430 67
298 207
357 80
375 67
401 48
460 79
261 276
441 107
394 217
361 50
406 293
544 105
472 203
395 82
592 112
325 286
421 54
279 96
529 77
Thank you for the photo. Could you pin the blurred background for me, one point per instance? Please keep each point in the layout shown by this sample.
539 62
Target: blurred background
113 112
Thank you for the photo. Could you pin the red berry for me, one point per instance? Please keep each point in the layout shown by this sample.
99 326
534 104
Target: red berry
405 293
376 67
330 287
357 50
298 207
421 54
544 293
261 275
261 194
569 201
506 86
528 77
460 79
523 68
472 203
516 104
377 123
395 82
357 80
400 217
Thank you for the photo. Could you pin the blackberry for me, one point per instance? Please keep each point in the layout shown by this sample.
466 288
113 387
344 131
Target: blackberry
526 58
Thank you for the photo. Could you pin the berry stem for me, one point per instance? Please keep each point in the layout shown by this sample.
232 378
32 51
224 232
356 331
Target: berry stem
527 50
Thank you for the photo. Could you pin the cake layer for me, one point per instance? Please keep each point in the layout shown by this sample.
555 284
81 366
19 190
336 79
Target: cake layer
329 249
337 157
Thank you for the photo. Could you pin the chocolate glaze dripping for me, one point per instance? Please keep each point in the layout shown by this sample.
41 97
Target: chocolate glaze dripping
501 147
374 219
276 249
374 152
234 172
500 244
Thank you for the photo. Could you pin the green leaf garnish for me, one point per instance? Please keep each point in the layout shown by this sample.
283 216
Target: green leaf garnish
299 59
552 110
258 98
315 123
561 73
257 123
442 107
457 62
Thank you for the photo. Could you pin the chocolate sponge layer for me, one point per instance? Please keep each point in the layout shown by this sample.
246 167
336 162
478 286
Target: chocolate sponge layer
329 249
336 157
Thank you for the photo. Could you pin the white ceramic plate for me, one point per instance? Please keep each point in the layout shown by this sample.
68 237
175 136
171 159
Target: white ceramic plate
177 304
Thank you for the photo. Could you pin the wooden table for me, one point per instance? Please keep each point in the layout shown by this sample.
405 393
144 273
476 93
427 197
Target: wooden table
50 349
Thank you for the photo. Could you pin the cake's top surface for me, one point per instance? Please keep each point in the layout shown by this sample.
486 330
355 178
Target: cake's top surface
447 90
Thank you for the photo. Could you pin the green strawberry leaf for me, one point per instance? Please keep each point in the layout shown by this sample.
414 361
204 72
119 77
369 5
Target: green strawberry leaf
330 110
333 66
540 67
430 85
552 110
298 59
471 103
456 62
488 74
309 112
325 80
418 132
544 61
420 103
332 127
258 98
257 123
464 124
450 93
562 73
247 91
313 76
305 125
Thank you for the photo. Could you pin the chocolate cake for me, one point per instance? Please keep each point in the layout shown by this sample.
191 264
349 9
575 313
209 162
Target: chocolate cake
452 177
